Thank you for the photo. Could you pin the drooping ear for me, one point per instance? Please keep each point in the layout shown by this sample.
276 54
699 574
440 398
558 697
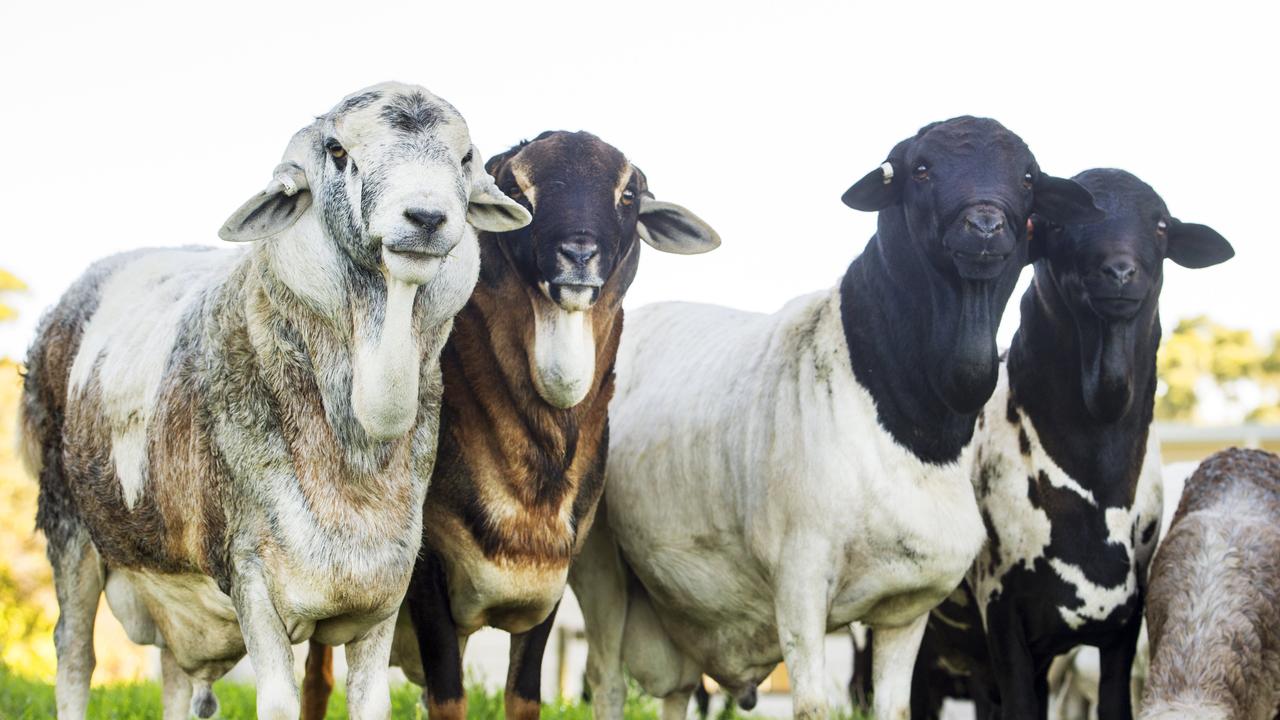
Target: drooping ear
1197 246
670 228
274 209
883 186
488 209
1064 201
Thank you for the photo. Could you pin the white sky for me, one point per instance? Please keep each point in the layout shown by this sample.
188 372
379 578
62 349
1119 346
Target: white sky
147 125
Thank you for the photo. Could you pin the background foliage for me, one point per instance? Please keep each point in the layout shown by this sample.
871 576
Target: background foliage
1211 372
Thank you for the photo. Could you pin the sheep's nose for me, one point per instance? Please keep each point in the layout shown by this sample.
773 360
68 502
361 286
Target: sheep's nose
578 254
428 220
1122 270
984 222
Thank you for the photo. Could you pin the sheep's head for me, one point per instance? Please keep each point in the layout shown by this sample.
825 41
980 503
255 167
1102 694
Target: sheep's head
373 202
957 197
591 208
1108 275
394 178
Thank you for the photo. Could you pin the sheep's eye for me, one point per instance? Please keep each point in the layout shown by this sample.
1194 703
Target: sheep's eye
466 158
1028 180
336 151
1162 227
628 197
921 172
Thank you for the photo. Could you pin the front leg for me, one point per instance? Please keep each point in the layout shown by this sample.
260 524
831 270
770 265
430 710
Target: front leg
1013 665
267 642
438 641
802 605
175 687
1115 701
893 660
523 700
368 695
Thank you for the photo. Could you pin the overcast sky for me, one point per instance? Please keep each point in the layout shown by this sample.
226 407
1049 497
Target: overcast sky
148 124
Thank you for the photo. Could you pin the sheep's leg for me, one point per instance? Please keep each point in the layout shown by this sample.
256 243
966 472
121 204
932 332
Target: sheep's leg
1013 665
599 581
893 664
926 700
368 694
78 580
438 641
675 706
860 683
317 681
1114 699
982 690
267 642
802 607
703 700
176 687
523 699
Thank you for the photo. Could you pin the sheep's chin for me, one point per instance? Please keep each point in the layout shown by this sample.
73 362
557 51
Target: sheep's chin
413 269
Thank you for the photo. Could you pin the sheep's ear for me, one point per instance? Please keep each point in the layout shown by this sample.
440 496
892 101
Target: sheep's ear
489 210
1197 246
274 209
670 228
1065 202
878 189
882 187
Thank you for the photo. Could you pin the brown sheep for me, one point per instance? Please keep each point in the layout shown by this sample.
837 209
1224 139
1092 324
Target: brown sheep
1214 606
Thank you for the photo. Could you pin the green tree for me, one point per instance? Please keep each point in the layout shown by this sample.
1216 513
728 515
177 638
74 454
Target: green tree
1200 349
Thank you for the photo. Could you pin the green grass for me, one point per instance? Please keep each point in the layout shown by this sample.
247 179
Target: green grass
24 699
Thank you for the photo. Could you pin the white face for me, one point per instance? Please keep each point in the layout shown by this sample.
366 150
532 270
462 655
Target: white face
393 168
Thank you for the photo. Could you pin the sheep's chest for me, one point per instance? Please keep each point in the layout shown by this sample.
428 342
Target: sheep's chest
919 534
509 591
1070 562
338 585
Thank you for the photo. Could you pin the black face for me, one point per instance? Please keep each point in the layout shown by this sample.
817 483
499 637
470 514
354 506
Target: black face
1111 269
1109 274
967 187
585 197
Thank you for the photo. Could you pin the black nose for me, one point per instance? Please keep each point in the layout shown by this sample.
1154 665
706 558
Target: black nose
578 254
984 222
428 220
1122 271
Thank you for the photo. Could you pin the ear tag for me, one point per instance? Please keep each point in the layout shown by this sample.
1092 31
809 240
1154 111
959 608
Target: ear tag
887 169
287 184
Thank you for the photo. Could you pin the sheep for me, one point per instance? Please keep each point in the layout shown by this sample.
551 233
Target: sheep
528 375
234 444
833 438
1067 475
1213 609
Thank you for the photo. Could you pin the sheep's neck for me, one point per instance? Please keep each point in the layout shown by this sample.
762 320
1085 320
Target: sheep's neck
894 307
1046 371
502 444
357 342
